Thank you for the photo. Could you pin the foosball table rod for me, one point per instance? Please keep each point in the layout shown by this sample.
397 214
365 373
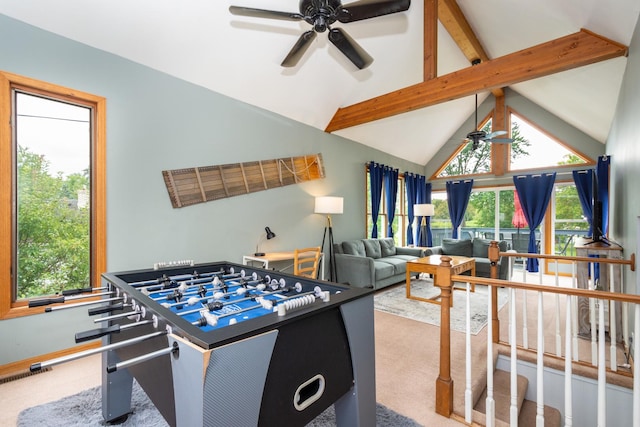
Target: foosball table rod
38 366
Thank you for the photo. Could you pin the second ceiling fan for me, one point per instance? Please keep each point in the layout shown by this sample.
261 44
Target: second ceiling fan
475 137
321 14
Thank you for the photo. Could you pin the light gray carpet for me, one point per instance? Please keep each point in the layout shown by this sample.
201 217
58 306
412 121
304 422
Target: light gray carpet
394 301
85 410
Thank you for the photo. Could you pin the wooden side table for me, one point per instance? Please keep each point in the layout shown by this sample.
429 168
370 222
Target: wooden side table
429 265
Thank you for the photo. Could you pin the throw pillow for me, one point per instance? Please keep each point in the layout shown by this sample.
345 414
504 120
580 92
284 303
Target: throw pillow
372 248
481 248
457 247
354 247
387 246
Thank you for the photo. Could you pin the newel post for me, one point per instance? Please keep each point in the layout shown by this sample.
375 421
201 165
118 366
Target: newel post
444 383
494 257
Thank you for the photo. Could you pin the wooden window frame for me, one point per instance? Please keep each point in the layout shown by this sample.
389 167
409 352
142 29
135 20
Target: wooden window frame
9 307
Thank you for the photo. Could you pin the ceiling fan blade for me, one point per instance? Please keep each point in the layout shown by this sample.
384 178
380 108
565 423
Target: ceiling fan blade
365 9
262 13
350 48
497 133
298 49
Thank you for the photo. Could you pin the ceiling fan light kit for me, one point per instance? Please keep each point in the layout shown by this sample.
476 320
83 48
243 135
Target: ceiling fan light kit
321 14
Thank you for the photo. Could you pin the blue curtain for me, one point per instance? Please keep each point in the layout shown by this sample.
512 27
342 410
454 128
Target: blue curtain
391 193
584 185
428 200
421 197
458 193
534 192
376 173
602 172
410 183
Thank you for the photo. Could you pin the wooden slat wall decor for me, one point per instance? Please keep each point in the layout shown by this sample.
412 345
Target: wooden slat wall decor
207 183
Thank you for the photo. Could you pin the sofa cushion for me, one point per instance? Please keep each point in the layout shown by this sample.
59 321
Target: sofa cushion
372 248
383 269
457 247
387 247
399 264
354 247
481 248
402 257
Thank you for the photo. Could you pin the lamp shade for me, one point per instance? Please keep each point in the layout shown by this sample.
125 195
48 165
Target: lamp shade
329 205
270 234
425 209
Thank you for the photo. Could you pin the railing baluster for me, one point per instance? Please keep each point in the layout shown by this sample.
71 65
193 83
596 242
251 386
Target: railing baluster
592 318
613 330
540 364
574 319
525 331
602 366
513 408
636 377
625 327
490 402
468 396
568 371
558 335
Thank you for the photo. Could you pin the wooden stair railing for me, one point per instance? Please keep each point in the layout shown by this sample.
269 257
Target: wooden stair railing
445 280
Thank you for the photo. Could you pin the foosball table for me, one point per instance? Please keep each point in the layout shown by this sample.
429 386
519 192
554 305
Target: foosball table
223 344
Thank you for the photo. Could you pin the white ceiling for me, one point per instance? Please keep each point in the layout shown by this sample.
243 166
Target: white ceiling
201 42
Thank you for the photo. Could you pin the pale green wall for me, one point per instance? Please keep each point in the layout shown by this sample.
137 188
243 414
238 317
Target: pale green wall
156 122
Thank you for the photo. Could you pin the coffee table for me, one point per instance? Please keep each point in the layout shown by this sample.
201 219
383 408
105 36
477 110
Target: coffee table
429 265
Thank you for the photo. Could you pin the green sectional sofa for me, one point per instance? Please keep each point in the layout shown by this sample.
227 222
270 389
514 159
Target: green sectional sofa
372 263
478 249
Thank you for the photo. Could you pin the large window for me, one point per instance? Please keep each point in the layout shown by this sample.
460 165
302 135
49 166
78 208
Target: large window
52 202
532 148
400 220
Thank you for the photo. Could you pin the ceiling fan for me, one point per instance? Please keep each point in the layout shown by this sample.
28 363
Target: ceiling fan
321 14
478 136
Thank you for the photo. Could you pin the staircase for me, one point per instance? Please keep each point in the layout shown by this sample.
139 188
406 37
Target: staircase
502 397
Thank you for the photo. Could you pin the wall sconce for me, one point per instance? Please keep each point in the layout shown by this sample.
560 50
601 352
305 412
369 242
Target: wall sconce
269 235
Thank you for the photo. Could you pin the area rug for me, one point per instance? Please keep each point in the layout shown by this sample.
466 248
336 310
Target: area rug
85 410
395 301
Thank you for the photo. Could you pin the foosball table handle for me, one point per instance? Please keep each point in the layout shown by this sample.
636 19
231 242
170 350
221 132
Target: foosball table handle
96 333
105 309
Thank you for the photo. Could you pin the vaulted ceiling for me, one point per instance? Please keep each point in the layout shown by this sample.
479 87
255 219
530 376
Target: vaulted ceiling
568 56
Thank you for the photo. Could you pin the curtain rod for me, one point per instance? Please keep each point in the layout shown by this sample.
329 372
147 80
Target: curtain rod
511 176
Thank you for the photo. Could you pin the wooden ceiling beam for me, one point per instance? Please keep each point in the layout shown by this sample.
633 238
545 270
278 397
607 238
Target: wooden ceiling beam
564 53
456 24
430 34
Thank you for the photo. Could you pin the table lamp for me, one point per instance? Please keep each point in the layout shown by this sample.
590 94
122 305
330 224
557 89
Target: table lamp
424 210
269 235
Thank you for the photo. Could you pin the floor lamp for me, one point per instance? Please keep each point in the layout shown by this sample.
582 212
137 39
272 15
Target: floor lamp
424 210
328 206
